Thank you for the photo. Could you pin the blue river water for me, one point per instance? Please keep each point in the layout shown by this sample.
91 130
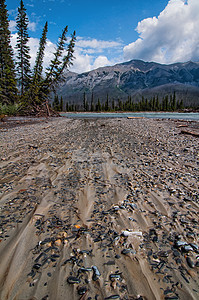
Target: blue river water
151 115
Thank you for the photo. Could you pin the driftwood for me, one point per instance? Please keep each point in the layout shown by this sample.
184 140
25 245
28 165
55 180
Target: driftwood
194 133
2 118
43 110
179 126
135 117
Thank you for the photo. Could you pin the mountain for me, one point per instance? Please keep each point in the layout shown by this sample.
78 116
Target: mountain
134 78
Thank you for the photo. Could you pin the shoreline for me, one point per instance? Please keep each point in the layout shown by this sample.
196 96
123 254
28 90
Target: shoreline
105 207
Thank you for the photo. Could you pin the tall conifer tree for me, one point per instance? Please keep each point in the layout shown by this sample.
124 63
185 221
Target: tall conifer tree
35 89
8 89
23 57
37 75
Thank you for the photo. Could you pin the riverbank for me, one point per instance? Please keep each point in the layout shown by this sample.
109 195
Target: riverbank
104 208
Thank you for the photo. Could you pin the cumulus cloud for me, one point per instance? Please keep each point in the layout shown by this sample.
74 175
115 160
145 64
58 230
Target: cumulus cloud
12 25
92 53
173 36
34 45
101 61
83 61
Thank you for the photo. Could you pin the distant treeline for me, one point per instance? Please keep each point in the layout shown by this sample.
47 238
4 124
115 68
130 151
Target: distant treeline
167 103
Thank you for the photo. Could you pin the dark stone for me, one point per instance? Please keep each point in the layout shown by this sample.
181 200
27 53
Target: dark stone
73 280
190 262
82 290
96 273
113 297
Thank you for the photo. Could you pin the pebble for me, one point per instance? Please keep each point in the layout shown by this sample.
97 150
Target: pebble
113 297
127 251
82 290
96 273
190 262
117 276
73 280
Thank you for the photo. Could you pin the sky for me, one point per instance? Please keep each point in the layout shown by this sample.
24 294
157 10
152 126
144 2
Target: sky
114 31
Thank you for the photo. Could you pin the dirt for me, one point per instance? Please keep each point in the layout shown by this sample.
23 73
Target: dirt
99 209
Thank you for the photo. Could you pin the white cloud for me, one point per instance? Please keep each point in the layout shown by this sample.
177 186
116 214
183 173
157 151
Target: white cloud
85 59
101 61
87 53
81 63
12 25
172 36
32 26
34 45
84 62
96 44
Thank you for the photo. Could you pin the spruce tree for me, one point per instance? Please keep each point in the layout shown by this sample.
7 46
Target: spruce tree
92 102
98 105
61 104
174 102
37 75
107 103
8 89
23 57
56 104
55 72
36 95
113 105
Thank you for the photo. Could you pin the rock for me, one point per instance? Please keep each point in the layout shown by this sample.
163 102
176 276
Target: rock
58 243
96 273
187 248
82 290
115 276
113 297
127 251
73 280
190 262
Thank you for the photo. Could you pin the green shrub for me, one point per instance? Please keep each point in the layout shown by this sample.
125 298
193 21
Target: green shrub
9 109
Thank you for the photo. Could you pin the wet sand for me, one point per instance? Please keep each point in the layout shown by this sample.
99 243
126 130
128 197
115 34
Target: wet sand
99 209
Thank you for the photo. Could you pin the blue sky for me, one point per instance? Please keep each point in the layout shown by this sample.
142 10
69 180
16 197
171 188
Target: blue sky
114 31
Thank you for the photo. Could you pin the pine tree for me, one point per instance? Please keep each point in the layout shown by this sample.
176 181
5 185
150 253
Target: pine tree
23 57
67 106
98 105
113 105
37 75
92 102
35 96
107 103
84 101
8 89
120 104
61 105
157 104
56 104
55 72
174 102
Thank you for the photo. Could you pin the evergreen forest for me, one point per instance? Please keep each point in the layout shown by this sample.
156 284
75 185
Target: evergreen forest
22 89
167 103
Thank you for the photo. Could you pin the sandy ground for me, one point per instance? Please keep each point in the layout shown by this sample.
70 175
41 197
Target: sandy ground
99 209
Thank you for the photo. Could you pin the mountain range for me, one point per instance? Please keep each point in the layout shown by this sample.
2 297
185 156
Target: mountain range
134 78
